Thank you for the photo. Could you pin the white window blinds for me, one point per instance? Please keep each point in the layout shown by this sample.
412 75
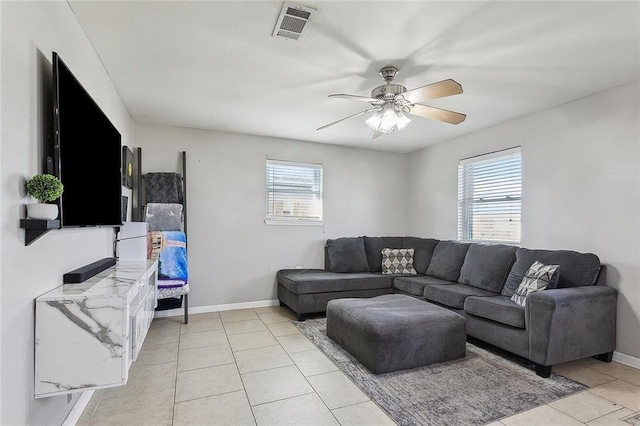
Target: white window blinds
489 195
294 192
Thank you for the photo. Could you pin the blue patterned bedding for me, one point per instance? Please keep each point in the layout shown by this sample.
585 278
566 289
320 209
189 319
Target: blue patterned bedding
170 248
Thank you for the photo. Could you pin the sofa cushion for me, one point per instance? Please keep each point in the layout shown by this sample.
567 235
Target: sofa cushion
415 285
497 308
307 281
397 261
448 257
537 278
576 269
373 247
346 255
422 251
487 266
452 295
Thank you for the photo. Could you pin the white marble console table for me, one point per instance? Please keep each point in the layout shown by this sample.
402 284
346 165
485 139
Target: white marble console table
88 334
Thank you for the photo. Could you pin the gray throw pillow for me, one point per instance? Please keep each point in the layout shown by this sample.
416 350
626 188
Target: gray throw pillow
346 255
447 260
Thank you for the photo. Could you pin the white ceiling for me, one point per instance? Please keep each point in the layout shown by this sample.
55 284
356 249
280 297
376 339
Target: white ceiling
214 65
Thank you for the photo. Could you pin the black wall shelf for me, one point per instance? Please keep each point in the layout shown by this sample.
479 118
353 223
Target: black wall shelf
36 228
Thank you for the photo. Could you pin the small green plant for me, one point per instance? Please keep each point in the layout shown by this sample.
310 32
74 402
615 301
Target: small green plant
45 187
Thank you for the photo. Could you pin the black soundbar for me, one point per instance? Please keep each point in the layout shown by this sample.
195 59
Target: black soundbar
82 274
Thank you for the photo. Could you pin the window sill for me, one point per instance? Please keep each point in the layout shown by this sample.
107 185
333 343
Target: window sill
489 242
294 222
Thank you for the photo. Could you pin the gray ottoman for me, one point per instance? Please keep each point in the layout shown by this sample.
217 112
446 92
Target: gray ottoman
395 332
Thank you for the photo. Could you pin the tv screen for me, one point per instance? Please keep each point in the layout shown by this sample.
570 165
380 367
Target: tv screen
87 149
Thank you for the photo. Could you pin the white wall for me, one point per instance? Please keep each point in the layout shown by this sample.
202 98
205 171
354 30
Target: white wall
30 32
233 255
1 203
581 189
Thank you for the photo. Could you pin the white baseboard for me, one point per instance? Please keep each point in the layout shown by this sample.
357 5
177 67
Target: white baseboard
216 308
626 360
78 409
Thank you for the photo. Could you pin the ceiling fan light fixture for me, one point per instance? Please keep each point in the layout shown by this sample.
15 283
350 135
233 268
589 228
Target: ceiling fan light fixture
390 102
387 120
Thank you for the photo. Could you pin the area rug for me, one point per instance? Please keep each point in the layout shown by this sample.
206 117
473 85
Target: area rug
478 389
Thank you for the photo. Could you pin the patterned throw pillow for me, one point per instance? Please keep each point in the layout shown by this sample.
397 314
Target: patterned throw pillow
397 261
537 278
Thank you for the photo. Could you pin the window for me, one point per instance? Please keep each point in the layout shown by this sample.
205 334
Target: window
294 193
489 194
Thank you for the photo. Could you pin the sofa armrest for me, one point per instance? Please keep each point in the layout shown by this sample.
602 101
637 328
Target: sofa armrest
570 323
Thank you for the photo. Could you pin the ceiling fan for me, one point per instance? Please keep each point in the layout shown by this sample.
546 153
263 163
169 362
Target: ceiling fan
390 103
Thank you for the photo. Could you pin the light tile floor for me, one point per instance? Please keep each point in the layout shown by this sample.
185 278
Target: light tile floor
253 366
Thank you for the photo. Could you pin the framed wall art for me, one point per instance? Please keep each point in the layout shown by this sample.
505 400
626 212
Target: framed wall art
127 167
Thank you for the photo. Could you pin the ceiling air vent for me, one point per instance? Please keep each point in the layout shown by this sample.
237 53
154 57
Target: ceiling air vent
293 20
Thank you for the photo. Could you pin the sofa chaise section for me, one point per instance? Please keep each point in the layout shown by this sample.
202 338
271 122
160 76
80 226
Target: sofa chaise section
353 268
307 291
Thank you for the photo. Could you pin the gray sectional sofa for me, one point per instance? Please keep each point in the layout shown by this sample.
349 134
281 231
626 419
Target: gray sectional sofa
575 317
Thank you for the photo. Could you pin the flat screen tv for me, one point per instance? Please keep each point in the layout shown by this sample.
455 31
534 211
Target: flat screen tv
87 155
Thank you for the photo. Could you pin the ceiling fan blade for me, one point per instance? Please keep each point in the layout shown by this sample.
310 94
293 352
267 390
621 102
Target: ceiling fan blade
346 118
356 98
440 89
438 114
376 135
